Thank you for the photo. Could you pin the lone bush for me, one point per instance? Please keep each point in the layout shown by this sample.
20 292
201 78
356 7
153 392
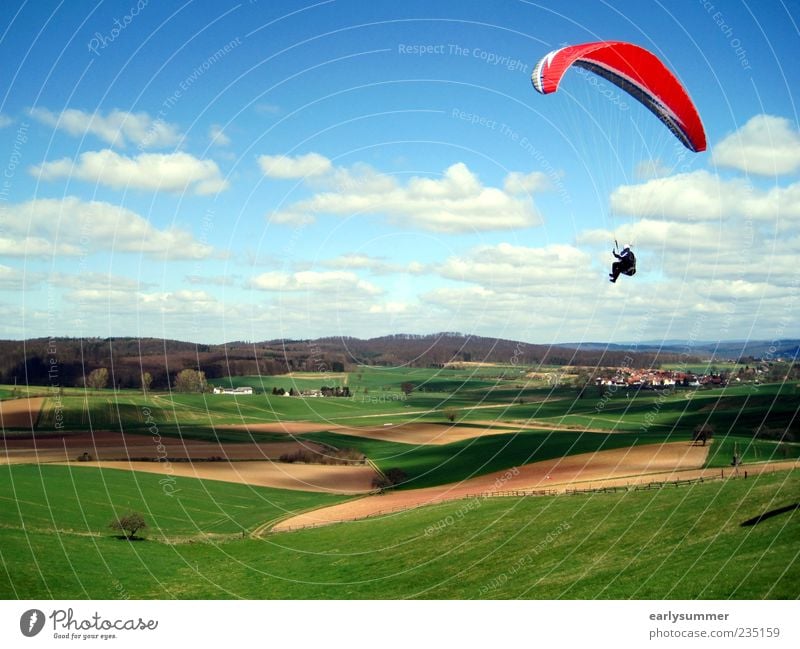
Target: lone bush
328 456
390 478
702 433
451 414
129 524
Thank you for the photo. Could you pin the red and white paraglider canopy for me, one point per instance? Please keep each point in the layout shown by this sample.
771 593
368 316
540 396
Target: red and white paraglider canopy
636 71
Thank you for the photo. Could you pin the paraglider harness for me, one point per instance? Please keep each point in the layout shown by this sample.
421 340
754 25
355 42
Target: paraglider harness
630 259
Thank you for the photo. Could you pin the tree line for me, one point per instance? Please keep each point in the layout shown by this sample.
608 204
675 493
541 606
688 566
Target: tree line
69 361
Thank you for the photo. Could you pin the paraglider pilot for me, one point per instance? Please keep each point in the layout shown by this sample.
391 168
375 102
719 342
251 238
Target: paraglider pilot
625 264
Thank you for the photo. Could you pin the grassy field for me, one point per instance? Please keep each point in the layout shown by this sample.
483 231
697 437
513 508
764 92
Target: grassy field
738 409
383 378
126 410
378 398
7 393
630 417
749 450
429 465
682 543
672 543
82 500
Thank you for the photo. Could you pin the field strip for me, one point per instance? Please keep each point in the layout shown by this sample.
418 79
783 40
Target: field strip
169 404
107 445
416 433
532 425
309 375
265 527
334 479
20 413
405 413
638 462
398 502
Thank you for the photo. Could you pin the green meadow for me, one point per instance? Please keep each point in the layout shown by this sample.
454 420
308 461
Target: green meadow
377 397
680 543
430 465
672 543
6 392
621 418
81 500
468 395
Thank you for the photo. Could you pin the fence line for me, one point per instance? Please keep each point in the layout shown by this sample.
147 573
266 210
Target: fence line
733 474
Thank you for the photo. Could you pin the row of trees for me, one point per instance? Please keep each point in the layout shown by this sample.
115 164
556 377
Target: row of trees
185 381
68 361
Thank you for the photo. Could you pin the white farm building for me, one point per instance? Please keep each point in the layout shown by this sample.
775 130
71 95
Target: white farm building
241 390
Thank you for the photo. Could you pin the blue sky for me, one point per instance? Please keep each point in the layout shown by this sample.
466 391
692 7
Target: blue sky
214 171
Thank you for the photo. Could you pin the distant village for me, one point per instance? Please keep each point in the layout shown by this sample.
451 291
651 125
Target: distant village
654 379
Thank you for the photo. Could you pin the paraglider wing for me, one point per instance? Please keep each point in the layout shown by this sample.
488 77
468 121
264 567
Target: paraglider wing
636 71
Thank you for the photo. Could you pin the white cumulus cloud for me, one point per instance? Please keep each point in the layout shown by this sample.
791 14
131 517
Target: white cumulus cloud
520 268
25 246
519 183
279 166
376 265
117 128
766 145
456 201
323 282
72 227
659 235
94 280
703 196
172 172
16 279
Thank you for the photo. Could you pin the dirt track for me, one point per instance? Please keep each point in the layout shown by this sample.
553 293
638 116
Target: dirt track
106 445
422 433
288 427
301 477
20 413
414 433
530 425
634 465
